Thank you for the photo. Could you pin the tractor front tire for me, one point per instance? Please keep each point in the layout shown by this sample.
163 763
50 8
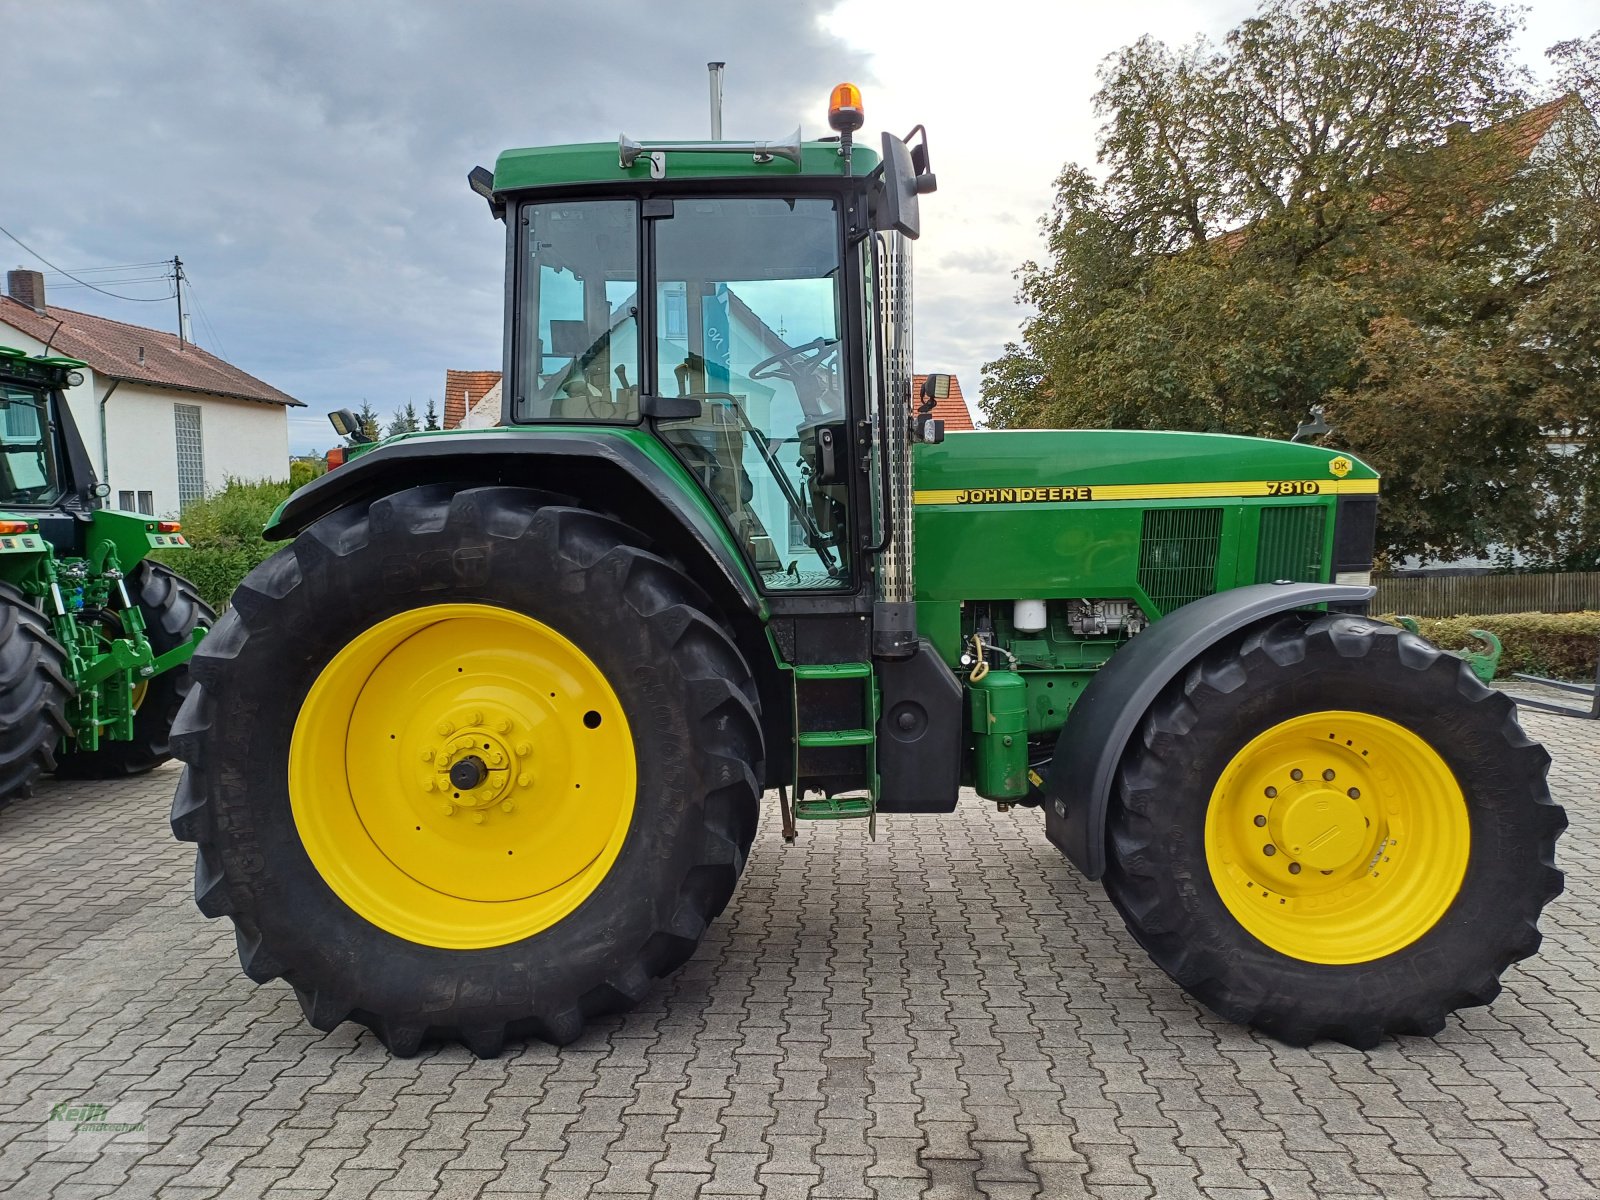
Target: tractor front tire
1328 828
468 765
172 610
34 693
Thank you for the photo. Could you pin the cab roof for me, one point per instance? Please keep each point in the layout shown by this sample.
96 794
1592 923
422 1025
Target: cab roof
19 360
597 162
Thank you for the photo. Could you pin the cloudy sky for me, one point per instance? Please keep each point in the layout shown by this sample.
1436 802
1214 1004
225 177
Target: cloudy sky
308 159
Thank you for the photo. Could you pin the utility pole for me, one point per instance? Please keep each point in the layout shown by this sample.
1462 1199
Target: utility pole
177 286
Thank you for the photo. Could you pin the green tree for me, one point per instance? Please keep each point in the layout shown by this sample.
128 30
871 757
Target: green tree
1299 216
431 417
368 416
405 420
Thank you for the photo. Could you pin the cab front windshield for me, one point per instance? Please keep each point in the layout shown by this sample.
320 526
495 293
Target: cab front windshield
28 475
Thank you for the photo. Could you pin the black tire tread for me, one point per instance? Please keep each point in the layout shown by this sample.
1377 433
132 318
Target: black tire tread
34 696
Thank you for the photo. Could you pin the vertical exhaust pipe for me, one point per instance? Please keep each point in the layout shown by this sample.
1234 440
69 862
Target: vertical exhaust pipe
715 69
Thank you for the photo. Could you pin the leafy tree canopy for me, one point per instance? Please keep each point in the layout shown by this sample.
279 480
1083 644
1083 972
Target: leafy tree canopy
1352 204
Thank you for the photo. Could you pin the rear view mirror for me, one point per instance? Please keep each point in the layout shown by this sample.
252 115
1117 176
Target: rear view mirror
897 204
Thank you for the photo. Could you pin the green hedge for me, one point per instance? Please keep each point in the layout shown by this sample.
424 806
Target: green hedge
1559 645
224 531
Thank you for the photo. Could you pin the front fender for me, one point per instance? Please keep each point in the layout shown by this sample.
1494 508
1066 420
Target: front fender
1090 745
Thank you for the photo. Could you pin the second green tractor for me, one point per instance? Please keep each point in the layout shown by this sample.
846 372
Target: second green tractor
95 637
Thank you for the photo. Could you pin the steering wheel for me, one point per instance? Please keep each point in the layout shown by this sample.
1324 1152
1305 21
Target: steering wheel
785 361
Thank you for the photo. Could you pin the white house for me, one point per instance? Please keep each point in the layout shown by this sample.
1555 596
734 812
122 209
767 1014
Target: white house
164 421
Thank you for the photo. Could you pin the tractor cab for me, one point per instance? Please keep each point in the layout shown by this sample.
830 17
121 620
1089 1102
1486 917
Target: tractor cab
723 294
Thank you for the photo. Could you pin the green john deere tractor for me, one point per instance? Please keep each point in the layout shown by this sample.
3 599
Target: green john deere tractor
482 750
95 638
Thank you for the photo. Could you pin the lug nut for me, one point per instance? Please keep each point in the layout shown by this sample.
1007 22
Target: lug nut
476 718
524 779
1272 793
1294 868
1328 775
524 749
506 806
1355 794
427 756
428 785
1260 821
446 729
1269 850
477 818
448 809
1297 775
502 726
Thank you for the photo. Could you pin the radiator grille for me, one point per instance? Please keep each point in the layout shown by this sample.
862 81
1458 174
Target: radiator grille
1291 543
1178 555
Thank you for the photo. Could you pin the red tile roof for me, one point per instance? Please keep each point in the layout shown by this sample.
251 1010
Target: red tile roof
1523 134
463 389
136 354
952 410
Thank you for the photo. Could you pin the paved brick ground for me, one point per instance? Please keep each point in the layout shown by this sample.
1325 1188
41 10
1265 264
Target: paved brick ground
949 1012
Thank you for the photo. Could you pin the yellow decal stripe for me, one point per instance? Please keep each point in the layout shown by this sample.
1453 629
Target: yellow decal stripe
1080 493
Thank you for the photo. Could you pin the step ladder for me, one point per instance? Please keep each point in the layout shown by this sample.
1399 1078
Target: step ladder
841 808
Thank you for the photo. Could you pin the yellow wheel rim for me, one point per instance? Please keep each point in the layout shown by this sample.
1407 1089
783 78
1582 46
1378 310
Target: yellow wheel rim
462 775
137 693
1337 837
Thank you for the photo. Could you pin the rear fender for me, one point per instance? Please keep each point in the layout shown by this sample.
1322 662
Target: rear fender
1091 744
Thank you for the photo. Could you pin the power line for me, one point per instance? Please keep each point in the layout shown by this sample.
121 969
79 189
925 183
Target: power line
140 279
74 278
103 270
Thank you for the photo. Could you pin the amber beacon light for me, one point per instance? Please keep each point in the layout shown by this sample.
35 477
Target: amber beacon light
845 112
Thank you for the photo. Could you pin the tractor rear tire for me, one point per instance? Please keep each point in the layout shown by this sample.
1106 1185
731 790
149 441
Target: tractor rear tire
1328 828
34 694
416 695
172 611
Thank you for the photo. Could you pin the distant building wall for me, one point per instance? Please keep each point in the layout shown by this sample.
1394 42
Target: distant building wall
239 438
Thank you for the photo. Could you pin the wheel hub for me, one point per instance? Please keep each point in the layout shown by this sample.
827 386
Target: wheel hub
476 762
1320 828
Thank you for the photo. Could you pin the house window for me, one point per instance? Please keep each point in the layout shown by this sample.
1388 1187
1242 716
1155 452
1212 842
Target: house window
147 503
191 453
125 501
